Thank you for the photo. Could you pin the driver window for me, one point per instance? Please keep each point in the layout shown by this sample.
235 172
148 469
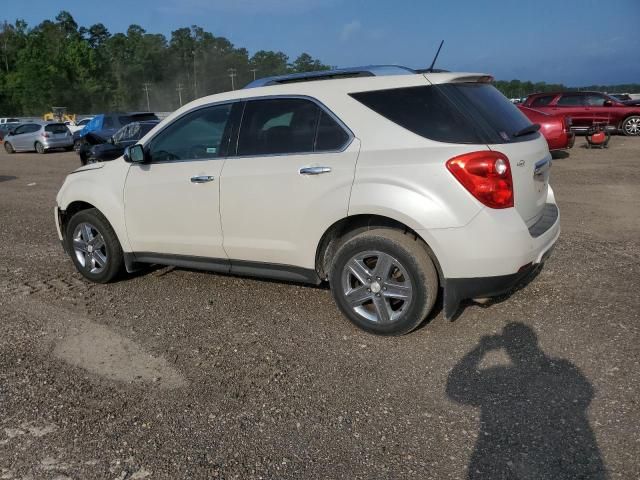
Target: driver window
595 100
19 130
195 136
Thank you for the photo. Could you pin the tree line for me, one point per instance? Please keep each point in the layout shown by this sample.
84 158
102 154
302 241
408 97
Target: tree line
59 63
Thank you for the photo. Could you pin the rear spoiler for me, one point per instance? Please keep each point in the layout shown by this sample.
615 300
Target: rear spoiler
447 77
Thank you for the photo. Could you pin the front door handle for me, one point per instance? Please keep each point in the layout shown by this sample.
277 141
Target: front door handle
314 170
202 179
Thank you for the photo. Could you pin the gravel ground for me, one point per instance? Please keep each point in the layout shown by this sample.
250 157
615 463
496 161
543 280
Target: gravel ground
183 374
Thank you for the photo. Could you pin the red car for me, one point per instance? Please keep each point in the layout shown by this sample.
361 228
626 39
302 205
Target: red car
556 129
587 108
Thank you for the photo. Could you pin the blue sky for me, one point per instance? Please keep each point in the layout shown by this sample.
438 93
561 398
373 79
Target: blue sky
576 42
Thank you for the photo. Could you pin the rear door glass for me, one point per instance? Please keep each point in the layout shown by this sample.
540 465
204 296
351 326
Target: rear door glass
571 101
542 101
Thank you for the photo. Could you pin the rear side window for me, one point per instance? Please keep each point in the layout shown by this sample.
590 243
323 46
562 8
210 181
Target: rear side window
108 123
542 101
278 126
470 113
570 101
56 128
594 100
330 136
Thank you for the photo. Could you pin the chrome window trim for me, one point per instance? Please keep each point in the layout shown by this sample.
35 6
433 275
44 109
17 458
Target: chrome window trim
351 136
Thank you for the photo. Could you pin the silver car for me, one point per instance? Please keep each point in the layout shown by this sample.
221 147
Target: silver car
38 136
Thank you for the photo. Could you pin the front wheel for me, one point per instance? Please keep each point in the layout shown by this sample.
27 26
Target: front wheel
77 145
384 281
631 126
40 148
94 246
9 148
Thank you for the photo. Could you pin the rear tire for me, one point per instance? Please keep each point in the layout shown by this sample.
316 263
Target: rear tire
94 246
631 126
384 281
9 148
40 148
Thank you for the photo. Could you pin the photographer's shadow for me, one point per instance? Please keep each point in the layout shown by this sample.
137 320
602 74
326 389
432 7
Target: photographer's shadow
533 421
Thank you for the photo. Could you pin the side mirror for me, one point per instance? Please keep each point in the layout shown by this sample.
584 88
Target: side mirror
608 103
12 132
134 154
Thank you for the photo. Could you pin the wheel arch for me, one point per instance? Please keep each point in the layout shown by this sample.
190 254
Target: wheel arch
347 227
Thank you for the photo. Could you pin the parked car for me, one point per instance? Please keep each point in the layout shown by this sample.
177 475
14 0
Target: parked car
389 187
587 108
110 123
5 128
40 137
100 147
555 128
4 120
622 97
79 125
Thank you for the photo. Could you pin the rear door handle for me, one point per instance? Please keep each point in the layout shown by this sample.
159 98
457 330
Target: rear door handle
202 179
314 170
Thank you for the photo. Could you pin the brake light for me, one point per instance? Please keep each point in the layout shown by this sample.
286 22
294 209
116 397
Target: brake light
486 175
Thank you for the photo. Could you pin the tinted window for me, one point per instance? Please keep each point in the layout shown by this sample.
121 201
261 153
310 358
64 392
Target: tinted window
144 129
56 128
594 100
330 136
83 122
542 101
121 134
197 135
570 101
278 126
108 123
453 113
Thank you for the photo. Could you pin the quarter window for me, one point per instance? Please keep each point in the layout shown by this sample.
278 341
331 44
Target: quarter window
331 136
197 135
594 100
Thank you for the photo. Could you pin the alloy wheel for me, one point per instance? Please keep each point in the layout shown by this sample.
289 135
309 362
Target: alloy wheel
632 126
377 287
90 248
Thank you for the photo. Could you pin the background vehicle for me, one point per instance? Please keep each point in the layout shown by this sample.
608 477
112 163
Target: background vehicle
109 123
5 128
587 108
291 179
40 137
79 125
555 128
4 120
99 149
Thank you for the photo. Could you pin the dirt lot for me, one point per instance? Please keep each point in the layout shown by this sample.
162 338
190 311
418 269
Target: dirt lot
180 374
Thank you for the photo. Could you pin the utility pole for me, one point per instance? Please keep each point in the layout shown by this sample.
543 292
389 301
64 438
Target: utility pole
232 75
146 90
195 83
254 70
179 89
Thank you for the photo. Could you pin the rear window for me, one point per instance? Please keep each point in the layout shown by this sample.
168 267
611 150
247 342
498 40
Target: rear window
470 113
56 128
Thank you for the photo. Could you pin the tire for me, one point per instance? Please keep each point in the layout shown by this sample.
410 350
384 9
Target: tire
40 148
77 145
93 246
389 298
631 126
9 148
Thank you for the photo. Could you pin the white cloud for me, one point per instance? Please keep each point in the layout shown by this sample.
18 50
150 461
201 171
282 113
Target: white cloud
350 29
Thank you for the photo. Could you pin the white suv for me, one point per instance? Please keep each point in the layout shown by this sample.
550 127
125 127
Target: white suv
390 184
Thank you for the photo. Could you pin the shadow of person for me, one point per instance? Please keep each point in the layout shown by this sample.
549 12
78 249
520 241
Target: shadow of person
533 419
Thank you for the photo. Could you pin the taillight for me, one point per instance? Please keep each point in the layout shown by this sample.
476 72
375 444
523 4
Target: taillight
487 176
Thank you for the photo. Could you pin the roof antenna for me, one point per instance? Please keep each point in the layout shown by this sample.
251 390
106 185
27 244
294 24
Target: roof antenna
430 69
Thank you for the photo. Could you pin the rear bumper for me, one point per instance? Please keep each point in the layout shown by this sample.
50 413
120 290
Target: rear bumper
58 143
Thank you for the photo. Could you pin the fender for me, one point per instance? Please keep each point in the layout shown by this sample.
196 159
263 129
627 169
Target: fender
101 186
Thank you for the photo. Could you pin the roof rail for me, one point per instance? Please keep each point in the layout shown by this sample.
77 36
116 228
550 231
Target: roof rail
367 71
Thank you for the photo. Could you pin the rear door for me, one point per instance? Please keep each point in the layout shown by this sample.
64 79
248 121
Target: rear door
572 104
289 182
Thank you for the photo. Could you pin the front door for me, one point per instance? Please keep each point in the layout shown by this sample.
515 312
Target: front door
291 179
172 202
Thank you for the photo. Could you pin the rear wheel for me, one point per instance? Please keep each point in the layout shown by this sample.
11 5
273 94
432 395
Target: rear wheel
40 148
384 281
631 126
9 148
94 246
77 145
